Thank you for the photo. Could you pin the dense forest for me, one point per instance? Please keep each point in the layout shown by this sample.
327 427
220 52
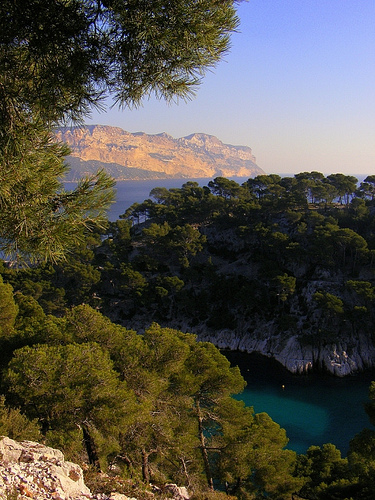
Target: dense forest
99 356
274 264
98 351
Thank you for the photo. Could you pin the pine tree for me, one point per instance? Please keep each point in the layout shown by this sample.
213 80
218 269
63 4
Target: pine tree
71 386
57 60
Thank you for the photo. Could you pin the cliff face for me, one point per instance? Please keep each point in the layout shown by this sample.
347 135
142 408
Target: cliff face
344 357
299 348
299 345
141 156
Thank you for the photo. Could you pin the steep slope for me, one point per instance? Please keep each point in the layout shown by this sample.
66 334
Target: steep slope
142 156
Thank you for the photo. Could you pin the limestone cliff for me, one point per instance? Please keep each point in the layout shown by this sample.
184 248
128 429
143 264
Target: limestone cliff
299 348
344 357
141 156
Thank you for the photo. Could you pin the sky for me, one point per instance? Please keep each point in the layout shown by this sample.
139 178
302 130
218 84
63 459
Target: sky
298 87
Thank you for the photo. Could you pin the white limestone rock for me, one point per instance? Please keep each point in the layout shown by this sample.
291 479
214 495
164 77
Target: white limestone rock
31 470
39 472
347 356
178 492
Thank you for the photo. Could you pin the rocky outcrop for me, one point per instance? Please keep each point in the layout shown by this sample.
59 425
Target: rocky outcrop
29 470
346 347
142 156
340 358
32 470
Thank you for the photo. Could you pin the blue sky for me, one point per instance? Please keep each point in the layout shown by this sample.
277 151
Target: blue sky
298 87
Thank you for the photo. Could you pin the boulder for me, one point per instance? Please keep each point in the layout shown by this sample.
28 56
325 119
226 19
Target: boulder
178 492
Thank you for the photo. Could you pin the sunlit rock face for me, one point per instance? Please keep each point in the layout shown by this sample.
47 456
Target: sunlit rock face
141 156
32 470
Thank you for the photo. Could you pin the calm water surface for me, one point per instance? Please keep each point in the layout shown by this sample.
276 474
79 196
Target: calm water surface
314 409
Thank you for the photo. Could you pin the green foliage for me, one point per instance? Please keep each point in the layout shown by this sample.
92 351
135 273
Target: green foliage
285 286
159 405
331 304
69 386
224 187
8 310
15 425
70 441
79 274
254 462
39 283
364 289
62 68
55 71
39 219
328 475
269 244
132 282
186 241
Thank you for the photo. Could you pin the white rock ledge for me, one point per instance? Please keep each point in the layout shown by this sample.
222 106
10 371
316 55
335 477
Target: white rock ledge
340 358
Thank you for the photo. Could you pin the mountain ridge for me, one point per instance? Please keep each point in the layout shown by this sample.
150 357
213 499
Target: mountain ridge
139 156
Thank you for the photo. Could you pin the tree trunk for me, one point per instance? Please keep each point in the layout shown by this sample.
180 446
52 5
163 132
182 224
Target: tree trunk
202 440
186 473
90 447
145 468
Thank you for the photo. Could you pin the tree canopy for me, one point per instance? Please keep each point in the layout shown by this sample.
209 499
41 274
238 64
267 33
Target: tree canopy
157 406
58 59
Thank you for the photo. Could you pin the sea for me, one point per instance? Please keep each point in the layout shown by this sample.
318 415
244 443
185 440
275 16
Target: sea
314 409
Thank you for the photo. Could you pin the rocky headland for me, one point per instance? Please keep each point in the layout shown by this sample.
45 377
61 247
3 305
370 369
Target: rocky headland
138 156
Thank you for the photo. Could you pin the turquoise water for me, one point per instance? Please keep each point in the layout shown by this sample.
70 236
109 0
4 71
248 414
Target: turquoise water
313 409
